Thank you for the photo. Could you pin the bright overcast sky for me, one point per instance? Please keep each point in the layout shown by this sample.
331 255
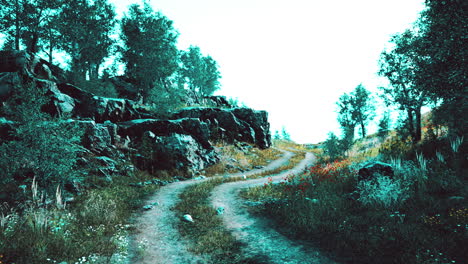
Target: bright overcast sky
292 58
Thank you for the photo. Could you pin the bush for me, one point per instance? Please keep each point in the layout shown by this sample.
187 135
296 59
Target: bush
94 229
382 191
395 147
163 100
43 148
334 147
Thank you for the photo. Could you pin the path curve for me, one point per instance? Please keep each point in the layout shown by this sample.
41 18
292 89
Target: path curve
261 239
156 229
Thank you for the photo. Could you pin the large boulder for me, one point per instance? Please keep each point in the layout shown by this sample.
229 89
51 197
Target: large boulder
375 169
98 138
124 87
26 64
236 124
102 109
258 121
17 66
175 151
8 80
135 129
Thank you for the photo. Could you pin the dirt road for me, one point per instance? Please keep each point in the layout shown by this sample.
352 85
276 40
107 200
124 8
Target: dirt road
157 239
254 232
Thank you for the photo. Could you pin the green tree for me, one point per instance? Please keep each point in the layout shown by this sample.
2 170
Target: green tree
85 27
277 135
345 116
355 109
285 134
199 72
384 125
399 66
27 22
333 147
363 109
149 53
442 67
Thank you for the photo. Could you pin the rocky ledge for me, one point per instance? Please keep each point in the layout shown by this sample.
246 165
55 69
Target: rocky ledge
115 127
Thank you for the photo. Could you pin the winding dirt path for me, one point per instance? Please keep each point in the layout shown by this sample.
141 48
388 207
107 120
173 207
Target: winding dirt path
260 239
156 232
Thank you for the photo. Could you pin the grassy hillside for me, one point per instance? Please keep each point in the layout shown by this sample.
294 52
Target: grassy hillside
418 216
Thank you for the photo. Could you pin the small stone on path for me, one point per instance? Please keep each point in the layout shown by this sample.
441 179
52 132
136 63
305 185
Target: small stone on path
188 218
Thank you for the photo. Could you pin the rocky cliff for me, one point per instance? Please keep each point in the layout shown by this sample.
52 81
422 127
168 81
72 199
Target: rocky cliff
116 128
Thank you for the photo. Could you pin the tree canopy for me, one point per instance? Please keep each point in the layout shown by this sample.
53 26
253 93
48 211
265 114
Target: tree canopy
355 109
149 52
199 72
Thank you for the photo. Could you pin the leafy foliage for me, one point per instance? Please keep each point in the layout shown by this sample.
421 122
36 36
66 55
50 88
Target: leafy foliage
398 65
442 72
85 29
28 22
199 72
42 148
382 191
355 109
149 52
333 147
384 125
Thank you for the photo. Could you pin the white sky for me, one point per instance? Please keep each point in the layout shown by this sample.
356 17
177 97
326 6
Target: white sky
292 58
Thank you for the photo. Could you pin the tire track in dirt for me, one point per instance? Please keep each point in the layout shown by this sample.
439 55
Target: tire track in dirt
156 229
259 237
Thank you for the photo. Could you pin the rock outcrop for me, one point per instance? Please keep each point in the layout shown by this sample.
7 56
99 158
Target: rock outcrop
374 169
113 126
135 129
181 144
236 124
175 151
102 109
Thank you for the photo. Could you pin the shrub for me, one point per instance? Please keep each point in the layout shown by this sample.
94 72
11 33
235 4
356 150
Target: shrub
382 191
395 147
164 100
334 147
42 147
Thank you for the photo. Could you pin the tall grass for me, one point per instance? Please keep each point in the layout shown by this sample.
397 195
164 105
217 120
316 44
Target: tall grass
93 229
419 216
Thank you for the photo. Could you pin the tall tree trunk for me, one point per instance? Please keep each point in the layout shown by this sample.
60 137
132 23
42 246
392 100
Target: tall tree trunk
51 46
33 45
51 49
417 125
410 122
363 129
17 25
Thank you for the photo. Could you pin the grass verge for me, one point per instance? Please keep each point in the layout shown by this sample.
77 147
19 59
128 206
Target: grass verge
207 233
240 157
93 229
427 226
